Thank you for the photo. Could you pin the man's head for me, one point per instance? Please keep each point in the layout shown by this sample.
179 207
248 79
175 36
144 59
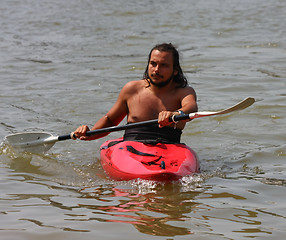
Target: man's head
169 55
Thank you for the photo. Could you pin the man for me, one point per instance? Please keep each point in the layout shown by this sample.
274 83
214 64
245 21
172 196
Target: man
162 93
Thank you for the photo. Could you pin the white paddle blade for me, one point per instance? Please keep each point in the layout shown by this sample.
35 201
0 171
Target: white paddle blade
31 142
239 106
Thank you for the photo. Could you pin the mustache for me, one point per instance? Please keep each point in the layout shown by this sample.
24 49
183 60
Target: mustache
156 75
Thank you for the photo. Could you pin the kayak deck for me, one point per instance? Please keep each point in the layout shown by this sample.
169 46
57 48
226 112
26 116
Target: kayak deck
126 160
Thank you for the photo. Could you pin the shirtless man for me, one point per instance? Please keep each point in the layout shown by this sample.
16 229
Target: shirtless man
163 92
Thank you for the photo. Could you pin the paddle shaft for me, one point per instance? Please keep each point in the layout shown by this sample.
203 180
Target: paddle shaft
17 139
241 105
118 128
130 125
42 142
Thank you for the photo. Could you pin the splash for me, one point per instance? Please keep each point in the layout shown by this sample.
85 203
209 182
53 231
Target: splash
7 150
145 186
193 182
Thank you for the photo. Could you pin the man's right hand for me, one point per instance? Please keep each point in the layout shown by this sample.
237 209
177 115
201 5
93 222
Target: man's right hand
80 132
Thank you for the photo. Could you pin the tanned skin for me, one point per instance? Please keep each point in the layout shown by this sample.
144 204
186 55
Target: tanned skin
156 98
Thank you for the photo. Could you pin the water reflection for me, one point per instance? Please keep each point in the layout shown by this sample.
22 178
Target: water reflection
152 208
79 198
159 212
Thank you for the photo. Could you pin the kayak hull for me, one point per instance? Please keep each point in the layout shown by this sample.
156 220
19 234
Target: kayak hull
127 160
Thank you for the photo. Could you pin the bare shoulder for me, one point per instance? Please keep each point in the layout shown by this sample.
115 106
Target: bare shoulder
188 99
186 91
133 86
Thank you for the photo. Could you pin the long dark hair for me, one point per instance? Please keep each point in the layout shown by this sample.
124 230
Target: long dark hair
180 78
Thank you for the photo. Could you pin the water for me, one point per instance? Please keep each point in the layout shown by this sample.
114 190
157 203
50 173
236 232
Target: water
63 64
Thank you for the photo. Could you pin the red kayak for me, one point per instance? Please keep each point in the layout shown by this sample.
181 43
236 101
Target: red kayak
126 160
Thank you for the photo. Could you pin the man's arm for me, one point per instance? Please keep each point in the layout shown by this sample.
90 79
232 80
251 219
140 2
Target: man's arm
113 117
188 102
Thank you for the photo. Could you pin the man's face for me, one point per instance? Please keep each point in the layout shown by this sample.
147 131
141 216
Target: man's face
160 68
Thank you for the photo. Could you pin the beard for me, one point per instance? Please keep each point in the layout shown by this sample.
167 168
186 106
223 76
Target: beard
161 84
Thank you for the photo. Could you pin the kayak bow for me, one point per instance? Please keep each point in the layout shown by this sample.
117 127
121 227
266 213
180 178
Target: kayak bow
127 160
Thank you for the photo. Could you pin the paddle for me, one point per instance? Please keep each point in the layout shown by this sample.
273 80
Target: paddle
42 142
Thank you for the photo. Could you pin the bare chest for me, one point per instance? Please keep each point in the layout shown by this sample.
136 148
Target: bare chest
146 105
